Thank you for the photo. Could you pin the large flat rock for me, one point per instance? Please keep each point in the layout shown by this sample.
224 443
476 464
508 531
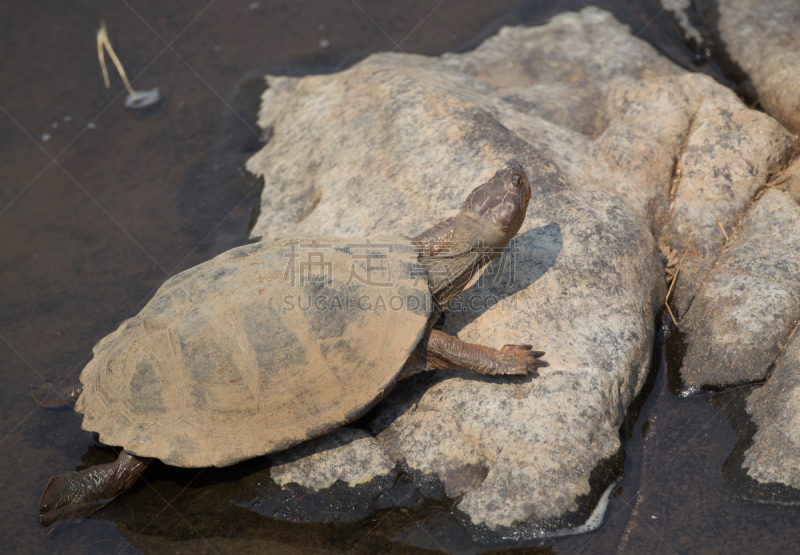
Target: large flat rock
394 144
624 151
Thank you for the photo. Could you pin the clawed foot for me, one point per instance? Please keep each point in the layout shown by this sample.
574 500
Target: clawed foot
520 360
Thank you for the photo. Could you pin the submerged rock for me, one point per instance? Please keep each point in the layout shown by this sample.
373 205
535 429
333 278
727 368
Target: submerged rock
623 150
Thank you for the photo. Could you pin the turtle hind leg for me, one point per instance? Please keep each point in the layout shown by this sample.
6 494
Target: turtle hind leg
62 395
79 494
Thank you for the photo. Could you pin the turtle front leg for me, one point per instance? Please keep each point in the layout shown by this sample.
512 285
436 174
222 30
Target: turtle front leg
440 350
79 494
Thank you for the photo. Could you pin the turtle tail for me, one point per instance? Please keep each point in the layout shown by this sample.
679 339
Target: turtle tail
54 397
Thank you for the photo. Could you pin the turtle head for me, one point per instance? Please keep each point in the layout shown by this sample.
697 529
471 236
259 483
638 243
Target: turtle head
498 207
491 216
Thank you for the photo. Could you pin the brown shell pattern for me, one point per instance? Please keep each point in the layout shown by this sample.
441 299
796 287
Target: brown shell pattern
263 347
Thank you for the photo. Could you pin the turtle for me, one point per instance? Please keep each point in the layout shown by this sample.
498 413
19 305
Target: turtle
277 342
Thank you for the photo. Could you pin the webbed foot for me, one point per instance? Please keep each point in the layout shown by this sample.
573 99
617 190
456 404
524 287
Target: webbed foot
79 494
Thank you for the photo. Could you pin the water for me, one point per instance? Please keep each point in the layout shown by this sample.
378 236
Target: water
99 205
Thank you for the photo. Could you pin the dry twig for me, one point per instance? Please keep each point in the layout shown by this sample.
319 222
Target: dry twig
103 43
722 229
671 285
135 99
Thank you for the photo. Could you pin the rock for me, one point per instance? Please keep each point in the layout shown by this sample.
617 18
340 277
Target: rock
343 476
761 37
788 180
729 153
553 72
774 457
743 313
346 454
738 326
763 466
394 144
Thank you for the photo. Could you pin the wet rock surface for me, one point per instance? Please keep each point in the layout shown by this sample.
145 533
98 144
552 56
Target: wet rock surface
774 408
624 151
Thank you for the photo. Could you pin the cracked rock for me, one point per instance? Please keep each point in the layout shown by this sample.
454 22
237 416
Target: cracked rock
746 309
623 149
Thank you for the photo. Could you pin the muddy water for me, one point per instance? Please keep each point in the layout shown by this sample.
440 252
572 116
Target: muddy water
98 206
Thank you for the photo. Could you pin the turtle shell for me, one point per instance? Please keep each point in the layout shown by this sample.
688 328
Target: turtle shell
265 346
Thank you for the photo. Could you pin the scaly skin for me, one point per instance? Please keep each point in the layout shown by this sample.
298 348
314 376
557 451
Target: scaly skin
454 250
79 494
436 239
438 350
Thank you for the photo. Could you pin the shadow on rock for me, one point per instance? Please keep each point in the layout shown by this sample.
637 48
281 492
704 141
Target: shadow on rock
525 260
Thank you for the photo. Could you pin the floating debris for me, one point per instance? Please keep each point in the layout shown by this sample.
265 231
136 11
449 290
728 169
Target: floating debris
324 43
46 137
136 99
142 99
91 125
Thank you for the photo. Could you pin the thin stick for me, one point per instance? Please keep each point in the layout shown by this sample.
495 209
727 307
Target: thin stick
671 285
104 42
675 180
674 321
723 231
678 271
101 34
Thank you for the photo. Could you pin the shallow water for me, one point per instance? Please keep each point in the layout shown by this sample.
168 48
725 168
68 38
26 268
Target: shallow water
94 218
